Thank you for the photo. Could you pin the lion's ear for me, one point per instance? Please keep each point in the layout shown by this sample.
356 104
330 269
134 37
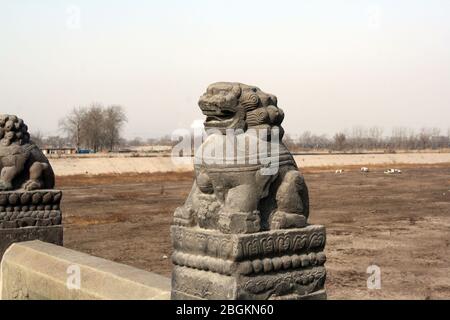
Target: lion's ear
281 116
249 100
274 100
18 124
276 115
257 117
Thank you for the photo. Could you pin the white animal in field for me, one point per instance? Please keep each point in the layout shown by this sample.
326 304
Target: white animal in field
339 171
393 171
364 169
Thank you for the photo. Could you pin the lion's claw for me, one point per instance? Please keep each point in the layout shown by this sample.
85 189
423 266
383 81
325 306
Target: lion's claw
5 186
31 185
284 220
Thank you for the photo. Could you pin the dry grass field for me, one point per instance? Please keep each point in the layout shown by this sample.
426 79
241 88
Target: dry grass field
105 164
400 223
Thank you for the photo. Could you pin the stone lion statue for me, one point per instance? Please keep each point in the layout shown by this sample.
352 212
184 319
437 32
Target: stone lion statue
22 164
239 194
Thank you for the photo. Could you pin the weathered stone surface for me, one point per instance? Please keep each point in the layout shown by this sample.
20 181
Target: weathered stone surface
279 264
242 247
38 270
193 284
20 209
29 207
51 234
243 232
30 215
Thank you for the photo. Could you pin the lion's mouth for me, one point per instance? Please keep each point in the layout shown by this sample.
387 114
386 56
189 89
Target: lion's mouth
222 116
219 119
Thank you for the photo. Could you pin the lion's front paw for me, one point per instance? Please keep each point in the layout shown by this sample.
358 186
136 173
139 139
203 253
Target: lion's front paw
239 222
5 186
183 216
284 220
32 185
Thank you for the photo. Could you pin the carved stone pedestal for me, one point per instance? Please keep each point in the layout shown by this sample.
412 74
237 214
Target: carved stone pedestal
30 215
277 264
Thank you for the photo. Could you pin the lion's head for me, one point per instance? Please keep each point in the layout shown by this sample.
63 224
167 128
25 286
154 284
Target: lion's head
13 131
230 105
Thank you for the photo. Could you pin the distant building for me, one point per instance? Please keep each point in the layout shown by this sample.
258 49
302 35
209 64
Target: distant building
152 149
85 151
51 150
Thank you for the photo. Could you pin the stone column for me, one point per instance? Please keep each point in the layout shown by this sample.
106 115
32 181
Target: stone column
29 206
243 233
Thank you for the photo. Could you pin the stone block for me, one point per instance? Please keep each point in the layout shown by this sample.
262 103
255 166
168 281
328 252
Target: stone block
277 264
38 270
30 215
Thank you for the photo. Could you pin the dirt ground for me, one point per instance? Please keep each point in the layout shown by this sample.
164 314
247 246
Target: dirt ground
401 223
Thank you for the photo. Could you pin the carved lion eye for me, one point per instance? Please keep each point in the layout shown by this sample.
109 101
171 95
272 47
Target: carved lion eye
9 135
9 125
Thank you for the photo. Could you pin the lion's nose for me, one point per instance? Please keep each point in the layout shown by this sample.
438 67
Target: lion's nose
210 104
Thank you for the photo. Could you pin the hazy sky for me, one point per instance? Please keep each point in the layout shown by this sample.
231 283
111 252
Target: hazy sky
332 64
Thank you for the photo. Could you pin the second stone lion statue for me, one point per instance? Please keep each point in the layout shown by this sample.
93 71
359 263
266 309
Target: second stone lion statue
237 195
22 164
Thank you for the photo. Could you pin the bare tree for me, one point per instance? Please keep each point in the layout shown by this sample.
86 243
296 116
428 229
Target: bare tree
73 125
93 126
425 135
357 137
448 137
399 138
411 141
339 141
308 140
289 142
375 137
136 142
38 138
162 141
55 142
114 119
